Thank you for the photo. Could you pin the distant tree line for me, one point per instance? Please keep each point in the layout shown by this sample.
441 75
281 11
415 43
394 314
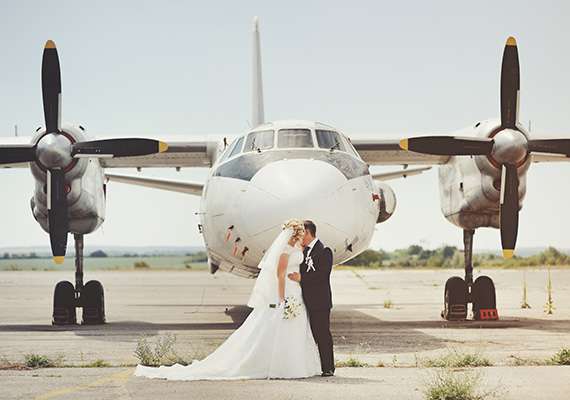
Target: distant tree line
451 257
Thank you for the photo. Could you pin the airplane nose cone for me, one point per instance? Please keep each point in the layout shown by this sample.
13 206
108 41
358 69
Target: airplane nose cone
290 189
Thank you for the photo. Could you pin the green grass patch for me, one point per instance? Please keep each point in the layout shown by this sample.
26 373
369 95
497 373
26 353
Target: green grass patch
39 361
97 364
561 358
351 362
457 360
448 385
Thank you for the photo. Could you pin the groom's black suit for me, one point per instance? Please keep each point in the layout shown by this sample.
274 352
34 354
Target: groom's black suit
316 288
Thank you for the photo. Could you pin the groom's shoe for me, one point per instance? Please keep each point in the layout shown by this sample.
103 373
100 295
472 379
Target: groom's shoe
328 373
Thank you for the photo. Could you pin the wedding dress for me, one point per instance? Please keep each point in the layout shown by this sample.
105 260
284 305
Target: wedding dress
267 344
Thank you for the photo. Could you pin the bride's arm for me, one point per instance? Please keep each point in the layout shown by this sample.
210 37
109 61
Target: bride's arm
281 272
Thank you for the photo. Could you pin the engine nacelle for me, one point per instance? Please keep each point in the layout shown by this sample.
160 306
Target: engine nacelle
84 180
386 201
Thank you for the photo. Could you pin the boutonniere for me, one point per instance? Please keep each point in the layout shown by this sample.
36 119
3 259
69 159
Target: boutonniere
310 265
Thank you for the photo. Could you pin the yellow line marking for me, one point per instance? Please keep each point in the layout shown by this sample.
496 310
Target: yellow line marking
119 377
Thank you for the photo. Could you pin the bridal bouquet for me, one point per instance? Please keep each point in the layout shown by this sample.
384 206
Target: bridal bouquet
291 308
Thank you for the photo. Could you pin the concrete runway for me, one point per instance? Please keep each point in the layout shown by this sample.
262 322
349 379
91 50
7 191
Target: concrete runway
202 310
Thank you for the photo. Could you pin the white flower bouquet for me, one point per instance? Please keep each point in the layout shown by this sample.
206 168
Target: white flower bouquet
291 308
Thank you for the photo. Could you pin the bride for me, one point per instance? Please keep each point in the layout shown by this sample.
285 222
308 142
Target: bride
275 340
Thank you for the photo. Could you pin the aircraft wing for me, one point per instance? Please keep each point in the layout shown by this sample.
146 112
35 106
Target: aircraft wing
180 153
192 188
388 152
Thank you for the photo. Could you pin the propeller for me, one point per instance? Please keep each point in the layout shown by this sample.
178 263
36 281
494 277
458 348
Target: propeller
508 147
54 151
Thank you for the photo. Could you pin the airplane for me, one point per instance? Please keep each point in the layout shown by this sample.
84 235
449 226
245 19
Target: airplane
276 171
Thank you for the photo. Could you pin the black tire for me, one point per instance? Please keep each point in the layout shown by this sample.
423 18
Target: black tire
64 304
455 299
93 302
483 295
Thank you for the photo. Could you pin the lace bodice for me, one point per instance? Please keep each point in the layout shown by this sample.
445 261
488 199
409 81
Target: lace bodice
295 258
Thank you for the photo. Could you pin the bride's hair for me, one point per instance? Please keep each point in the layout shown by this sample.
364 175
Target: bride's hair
298 228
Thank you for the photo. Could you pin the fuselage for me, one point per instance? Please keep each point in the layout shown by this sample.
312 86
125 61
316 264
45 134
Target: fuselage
283 170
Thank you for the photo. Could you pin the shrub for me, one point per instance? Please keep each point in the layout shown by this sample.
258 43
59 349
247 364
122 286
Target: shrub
38 361
562 357
445 385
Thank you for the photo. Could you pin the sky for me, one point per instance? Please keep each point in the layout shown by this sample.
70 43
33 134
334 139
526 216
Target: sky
380 69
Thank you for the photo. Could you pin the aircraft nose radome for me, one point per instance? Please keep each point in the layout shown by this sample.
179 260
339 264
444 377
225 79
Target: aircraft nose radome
289 189
298 179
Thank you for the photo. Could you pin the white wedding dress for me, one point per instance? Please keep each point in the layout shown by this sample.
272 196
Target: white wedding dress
266 345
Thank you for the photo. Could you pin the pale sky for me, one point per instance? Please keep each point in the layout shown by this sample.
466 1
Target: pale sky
374 68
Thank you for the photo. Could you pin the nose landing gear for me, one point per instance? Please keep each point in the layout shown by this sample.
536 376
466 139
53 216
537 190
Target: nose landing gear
67 298
459 292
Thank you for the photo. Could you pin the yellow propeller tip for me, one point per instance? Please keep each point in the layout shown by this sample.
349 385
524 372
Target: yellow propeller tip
507 253
162 147
511 41
50 44
58 259
404 144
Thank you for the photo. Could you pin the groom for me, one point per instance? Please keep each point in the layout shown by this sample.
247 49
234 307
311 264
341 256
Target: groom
315 284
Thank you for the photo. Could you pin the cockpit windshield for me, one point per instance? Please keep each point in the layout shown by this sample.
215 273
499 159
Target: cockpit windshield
294 138
261 140
329 140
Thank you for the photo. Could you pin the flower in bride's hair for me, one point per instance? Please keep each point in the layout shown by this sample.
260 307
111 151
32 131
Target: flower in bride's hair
297 226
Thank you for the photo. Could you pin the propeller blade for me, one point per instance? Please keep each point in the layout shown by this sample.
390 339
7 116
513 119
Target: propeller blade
554 146
51 87
509 209
448 145
57 214
118 148
510 85
17 154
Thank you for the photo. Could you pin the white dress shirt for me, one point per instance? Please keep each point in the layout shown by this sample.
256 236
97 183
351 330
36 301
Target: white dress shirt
311 245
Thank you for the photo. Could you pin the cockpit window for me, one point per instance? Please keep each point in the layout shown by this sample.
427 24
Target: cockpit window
329 140
294 138
236 147
261 140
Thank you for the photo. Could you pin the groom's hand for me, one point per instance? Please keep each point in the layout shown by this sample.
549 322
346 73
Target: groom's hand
294 276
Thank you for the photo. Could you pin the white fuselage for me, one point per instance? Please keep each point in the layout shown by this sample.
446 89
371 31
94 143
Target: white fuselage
251 193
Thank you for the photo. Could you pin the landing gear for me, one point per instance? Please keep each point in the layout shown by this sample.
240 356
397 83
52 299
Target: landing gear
67 298
459 292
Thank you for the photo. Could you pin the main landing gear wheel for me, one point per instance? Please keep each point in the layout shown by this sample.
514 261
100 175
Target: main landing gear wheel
455 300
67 297
64 304
484 300
93 302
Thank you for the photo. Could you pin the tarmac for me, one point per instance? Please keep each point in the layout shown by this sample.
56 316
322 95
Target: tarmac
387 317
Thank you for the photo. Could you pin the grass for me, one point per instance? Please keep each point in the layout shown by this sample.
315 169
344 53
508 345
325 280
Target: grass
38 361
388 304
457 360
162 352
351 362
448 385
561 358
97 364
